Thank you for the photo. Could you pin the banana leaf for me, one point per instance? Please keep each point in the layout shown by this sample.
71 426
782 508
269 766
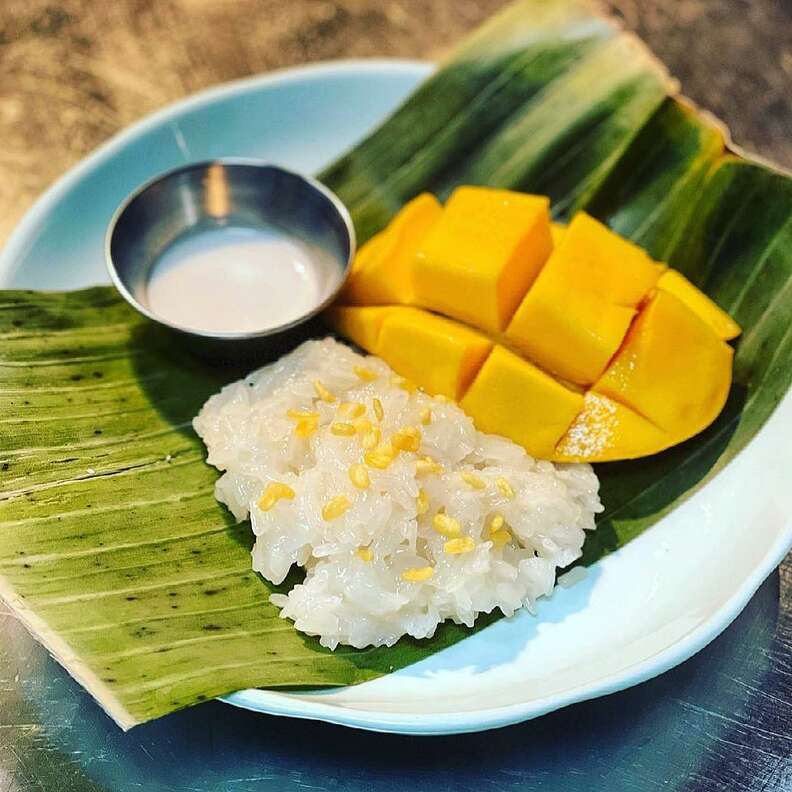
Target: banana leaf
113 550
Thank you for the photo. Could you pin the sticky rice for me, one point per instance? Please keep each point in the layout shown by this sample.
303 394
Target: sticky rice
401 513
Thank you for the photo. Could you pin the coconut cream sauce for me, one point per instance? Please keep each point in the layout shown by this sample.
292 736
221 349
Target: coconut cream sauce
236 279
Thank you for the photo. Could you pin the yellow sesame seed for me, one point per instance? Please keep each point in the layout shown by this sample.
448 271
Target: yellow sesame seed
335 507
427 465
426 416
417 574
495 523
370 440
273 493
342 429
363 425
473 481
500 538
504 487
422 502
366 374
298 415
364 554
378 411
445 525
464 544
323 393
306 427
408 438
351 410
377 460
359 476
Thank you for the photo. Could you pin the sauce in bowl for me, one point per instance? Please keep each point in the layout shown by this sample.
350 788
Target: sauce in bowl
239 279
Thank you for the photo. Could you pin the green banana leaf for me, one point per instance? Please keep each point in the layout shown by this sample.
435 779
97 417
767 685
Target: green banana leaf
113 550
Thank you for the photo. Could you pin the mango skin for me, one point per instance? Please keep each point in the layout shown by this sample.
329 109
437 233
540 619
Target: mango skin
483 254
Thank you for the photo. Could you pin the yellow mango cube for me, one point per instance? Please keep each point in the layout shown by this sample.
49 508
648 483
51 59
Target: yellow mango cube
672 368
359 324
593 258
513 398
576 315
382 272
557 231
605 430
441 354
482 255
721 323
571 333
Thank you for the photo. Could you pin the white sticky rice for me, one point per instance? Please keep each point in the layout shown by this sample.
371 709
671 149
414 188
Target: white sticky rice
346 598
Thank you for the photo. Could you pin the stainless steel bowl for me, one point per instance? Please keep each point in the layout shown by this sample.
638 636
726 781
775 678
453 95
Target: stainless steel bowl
215 195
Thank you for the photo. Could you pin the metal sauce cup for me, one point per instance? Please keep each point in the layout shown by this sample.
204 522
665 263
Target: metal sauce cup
217 195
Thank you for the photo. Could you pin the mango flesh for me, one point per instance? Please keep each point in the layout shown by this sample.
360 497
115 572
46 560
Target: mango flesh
443 355
572 334
721 323
361 325
574 318
605 355
382 270
606 430
672 369
513 398
482 255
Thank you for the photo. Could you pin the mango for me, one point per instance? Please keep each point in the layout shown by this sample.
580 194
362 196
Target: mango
512 397
721 323
361 325
571 333
382 270
585 349
557 231
482 255
443 355
574 318
672 369
605 430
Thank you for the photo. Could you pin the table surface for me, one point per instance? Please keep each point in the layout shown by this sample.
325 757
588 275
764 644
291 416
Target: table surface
73 72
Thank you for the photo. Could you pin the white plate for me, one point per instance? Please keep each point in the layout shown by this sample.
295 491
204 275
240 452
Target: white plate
639 612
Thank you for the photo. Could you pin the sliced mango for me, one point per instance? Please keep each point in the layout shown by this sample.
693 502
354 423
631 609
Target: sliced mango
382 270
512 397
361 325
441 354
574 318
608 355
593 258
721 323
557 231
571 333
483 254
605 430
672 369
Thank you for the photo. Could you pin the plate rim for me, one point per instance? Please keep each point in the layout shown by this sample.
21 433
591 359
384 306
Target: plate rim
275 702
